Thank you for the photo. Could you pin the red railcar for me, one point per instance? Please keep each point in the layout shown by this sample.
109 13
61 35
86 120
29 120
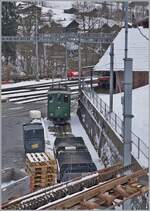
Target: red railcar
103 81
72 74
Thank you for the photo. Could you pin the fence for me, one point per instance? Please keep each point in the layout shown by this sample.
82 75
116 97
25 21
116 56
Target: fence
140 150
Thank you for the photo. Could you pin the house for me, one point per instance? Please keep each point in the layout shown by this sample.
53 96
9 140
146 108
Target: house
71 11
143 22
138 49
73 26
139 9
29 9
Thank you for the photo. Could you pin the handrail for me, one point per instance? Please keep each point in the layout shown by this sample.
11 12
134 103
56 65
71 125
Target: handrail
116 123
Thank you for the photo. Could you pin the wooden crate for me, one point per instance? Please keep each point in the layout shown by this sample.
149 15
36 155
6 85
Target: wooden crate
42 169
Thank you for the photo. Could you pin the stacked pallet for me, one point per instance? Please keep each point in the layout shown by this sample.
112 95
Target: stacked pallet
42 169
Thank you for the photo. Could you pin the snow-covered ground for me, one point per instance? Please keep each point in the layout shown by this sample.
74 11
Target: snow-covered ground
138 49
78 130
58 15
140 110
26 83
57 8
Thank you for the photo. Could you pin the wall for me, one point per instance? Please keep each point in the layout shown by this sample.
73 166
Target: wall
140 78
105 140
17 184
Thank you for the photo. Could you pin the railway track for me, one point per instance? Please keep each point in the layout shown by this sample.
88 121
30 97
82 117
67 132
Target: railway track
62 130
31 93
77 192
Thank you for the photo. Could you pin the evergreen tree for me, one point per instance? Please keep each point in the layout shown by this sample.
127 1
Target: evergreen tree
9 28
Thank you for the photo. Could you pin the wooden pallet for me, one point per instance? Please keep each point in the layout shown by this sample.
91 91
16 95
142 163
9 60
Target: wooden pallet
40 185
42 168
42 182
39 159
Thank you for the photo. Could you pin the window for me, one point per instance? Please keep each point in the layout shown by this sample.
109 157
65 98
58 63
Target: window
50 99
66 99
59 97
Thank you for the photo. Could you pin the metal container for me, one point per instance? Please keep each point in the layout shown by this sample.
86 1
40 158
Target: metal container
15 183
73 158
33 136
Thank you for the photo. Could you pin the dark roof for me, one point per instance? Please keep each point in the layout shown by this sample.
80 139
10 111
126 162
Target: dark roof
45 29
30 8
71 11
138 3
73 24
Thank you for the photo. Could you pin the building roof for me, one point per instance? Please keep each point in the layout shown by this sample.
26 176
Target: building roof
138 3
138 49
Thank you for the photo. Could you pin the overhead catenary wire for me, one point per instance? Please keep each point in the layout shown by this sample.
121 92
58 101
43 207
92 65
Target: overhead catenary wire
142 33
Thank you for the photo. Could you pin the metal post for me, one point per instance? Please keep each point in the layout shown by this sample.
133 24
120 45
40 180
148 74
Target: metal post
111 86
127 105
127 114
66 59
126 28
45 72
127 119
91 81
138 147
37 54
79 63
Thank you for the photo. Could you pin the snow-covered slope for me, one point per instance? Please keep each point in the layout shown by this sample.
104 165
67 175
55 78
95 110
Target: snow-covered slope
140 110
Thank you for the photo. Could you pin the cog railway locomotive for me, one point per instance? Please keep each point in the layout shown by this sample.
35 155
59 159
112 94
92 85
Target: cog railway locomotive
59 100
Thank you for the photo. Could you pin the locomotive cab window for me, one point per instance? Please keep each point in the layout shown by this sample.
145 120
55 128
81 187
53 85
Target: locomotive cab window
59 97
66 99
50 98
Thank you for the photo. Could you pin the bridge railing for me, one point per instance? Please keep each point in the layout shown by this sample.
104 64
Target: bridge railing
140 150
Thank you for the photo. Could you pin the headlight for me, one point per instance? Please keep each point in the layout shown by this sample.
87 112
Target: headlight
51 114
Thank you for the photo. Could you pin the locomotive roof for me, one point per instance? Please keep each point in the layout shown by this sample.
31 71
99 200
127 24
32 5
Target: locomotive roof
59 89
69 142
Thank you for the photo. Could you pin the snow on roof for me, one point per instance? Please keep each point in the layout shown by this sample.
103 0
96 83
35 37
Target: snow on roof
45 10
140 110
137 49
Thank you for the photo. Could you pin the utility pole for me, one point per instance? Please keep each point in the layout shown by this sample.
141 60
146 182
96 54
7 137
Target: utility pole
79 64
91 81
36 43
111 82
66 59
127 104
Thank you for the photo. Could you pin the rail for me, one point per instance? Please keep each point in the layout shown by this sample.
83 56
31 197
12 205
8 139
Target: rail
49 196
140 150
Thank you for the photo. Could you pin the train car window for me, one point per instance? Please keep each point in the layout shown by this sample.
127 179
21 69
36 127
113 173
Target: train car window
107 73
59 97
50 98
66 98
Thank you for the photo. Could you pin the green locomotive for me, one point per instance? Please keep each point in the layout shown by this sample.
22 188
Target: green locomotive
59 99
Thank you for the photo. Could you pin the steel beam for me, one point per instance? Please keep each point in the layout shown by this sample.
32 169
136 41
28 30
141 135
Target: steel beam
111 86
63 38
89 193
